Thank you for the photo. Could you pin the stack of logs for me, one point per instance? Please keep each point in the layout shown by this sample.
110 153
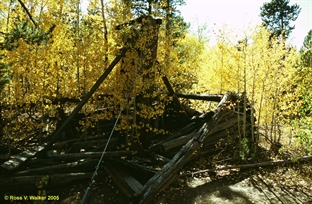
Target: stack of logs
140 173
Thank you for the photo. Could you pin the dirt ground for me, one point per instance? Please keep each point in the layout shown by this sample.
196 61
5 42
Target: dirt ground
263 186
237 187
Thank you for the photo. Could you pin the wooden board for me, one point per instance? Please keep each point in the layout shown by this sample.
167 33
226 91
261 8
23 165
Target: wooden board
125 182
17 160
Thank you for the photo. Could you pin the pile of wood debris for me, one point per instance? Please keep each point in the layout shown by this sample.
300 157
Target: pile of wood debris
140 173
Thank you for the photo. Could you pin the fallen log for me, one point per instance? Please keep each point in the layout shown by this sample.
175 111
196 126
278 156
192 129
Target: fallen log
164 177
222 130
194 125
137 168
260 164
159 159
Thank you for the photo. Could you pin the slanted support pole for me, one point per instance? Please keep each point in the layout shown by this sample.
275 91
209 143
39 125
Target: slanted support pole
175 98
57 134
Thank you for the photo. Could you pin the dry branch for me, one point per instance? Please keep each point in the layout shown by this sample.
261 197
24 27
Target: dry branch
27 12
261 164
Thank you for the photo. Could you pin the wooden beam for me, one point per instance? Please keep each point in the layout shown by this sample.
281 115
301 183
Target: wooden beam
22 157
205 97
61 168
125 182
85 99
175 98
76 156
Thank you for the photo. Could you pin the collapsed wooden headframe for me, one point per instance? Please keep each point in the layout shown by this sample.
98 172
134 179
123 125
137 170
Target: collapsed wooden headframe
230 122
170 171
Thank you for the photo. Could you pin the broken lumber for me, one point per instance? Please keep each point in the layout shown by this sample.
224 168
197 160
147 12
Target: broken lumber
178 142
170 171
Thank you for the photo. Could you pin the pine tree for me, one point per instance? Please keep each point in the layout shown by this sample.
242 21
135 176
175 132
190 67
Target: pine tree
277 16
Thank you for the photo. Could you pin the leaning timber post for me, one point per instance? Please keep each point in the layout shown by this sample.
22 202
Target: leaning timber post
175 98
148 55
85 99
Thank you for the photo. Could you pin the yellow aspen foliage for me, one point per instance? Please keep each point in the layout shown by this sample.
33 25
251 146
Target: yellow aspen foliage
264 70
68 48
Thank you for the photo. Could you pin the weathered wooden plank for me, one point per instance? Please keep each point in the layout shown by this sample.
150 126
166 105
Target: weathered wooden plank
229 119
139 168
22 157
178 142
161 160
125 182
84 155
62 168
86 144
